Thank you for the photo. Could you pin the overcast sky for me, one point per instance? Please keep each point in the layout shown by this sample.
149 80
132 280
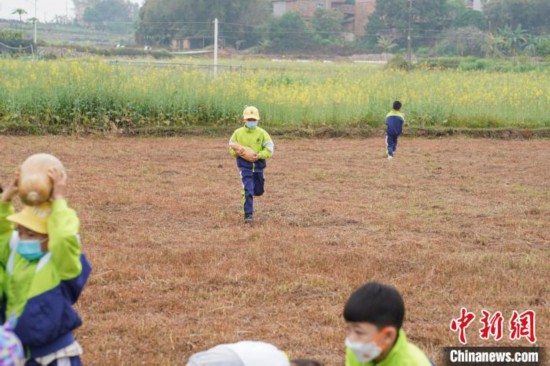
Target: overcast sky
45 9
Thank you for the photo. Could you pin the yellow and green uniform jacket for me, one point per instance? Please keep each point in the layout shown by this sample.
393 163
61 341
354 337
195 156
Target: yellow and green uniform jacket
394 123
41 293
258 140
402 353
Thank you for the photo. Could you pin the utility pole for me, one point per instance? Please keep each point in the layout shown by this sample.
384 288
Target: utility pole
34 35
409 40
34 21
215 48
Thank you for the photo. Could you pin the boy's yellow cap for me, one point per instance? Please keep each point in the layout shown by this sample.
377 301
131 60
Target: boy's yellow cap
251 113
34 218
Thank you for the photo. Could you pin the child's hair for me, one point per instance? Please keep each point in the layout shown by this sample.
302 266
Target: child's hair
375 303
305 362
397 105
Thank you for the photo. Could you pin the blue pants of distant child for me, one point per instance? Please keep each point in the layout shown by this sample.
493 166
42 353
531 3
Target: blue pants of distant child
253 185
67 361
391 144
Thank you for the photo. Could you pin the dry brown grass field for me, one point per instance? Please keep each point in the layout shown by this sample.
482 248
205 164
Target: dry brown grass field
450 222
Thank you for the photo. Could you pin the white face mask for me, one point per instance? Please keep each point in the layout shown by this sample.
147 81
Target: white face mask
365 352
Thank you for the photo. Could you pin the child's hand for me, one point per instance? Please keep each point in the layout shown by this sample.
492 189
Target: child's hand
255 158
59 179
239 150
12 189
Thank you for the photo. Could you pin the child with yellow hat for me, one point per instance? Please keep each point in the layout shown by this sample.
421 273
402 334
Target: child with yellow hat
45 272
251 169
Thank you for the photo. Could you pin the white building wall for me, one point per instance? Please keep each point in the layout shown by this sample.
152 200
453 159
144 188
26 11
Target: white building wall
279 8
477 5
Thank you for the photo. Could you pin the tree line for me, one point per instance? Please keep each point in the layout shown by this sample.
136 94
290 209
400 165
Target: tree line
436 27
504 28
111 15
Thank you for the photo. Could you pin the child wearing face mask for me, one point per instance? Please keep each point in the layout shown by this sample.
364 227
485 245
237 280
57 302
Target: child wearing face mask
374 315
252 172
45 272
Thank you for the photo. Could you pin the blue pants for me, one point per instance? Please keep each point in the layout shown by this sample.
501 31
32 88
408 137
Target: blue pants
73 361
253 185
391 144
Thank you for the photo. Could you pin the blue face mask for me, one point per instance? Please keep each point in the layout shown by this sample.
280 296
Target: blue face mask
251 124
31 250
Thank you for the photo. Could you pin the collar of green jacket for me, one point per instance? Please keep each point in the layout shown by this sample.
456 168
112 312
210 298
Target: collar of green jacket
402 353
395 113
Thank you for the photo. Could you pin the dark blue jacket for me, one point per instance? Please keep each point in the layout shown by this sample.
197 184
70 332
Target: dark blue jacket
394 123
48 320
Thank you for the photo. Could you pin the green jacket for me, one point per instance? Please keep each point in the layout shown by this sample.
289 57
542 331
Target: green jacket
402 353
257 139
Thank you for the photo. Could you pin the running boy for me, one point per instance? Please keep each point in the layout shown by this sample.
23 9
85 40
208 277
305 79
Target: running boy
252 170
394 123
374 315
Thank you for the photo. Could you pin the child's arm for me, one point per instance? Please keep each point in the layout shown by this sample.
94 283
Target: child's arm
6 230
6 227
63 242
63 225
232 140
268 147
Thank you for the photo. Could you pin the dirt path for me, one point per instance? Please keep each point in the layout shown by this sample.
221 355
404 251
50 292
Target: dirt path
450 222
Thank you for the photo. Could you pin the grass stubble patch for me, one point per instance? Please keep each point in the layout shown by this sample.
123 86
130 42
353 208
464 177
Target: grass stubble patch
450 222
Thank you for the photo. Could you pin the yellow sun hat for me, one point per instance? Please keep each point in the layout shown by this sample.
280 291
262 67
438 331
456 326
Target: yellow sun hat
251 113
34 218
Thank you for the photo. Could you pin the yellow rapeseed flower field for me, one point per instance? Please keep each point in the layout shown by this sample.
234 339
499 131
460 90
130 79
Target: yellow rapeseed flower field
94 93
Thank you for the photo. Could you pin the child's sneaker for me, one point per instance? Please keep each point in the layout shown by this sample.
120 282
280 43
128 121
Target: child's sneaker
390 157
248 219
